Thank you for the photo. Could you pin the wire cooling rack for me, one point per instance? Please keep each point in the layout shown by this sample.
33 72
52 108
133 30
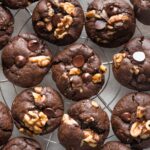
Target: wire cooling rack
109 95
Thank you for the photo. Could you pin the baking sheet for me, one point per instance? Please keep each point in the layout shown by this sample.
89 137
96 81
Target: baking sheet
108 96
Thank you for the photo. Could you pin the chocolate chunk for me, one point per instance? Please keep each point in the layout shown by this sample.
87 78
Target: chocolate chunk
126 117
78 61
33 45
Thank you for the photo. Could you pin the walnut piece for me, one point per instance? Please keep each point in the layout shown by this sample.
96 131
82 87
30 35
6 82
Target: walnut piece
42 61
92 13
90 137
103 68
140 112
118 18
74 71
97 78
117 59
68 120
94 104
35 121
68 7
62 27
135 70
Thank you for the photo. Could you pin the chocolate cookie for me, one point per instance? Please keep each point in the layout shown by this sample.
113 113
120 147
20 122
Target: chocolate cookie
22 143
38 110
142 10
131 120
6 124
85 127
58 21
131 65
26 60
114 145
16 4
78 72
110 23
6 26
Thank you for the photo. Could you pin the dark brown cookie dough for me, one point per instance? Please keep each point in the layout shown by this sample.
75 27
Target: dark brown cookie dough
131 120
38 110
85 127
114 145
110 23
6 124
6 25
16 4
131 65
58 21
142 10
26 60
78 72
22 143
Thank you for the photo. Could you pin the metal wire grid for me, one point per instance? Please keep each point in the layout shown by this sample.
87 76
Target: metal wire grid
100 98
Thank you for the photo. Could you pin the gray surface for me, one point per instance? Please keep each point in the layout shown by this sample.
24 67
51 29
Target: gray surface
108 96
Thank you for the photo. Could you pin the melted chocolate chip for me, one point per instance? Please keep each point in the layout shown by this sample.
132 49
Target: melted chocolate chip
76 81
20 61
33 45
78 61
126 117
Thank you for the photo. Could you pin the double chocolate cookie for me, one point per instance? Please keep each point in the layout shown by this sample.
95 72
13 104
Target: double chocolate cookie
6 26
131 120
16 4
142 10
37 111
85 127
6 124
26 60
58 21
113 145
22 143
131 65
78 72
110 23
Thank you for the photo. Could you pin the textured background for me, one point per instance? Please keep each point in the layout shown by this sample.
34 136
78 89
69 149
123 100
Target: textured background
108 96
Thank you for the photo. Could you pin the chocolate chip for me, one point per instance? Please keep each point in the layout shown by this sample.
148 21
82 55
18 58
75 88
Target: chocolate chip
76 81
78 61
126 117
56 19
87 77
33 45
20 61
100 25
49 112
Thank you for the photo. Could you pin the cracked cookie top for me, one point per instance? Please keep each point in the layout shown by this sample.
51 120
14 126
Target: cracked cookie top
26 60
110 23
37 111
131 120
131 65
84 127
6 124
22 143
78 72
58 21
16 4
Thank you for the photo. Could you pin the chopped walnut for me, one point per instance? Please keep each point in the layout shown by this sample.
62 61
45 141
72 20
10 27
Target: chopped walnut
94 104
92 13
42 61
140 112
97 78
118 18
103 68
35 121
74 71
62 27
117 59
68 7
135 70
90 137
68 120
